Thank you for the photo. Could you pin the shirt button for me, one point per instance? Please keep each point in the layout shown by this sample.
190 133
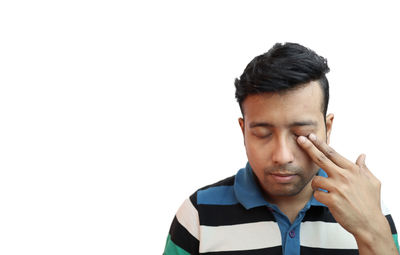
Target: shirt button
292 234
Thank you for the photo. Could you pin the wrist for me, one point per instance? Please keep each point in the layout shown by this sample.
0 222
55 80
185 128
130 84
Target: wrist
375 225
376 238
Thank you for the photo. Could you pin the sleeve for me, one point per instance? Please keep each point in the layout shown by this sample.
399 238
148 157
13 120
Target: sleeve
183 237
389 218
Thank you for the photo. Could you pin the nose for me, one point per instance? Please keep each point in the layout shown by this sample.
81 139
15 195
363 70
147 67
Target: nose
282 153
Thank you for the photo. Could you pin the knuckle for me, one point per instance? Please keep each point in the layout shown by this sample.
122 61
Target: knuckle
345 177
316 182
342 190
317 194
321 158
330 152
334 200
335 189
317 142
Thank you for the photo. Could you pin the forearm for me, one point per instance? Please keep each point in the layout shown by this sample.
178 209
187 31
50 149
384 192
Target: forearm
378 240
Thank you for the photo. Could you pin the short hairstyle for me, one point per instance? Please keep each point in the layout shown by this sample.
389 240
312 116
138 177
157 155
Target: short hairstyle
284 67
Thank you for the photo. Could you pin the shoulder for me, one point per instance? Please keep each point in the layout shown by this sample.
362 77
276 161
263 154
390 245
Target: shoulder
218 193
184 234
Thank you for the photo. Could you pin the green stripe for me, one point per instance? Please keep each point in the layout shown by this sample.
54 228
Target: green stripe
172 249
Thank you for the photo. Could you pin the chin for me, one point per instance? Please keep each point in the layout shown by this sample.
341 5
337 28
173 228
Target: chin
286 192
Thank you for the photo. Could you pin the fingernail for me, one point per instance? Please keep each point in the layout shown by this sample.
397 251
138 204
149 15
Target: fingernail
312 137
302 139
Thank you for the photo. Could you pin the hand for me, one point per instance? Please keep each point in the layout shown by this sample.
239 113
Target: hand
353 192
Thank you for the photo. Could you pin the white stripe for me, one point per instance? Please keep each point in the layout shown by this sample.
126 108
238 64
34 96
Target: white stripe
240 237
188 217
326 235
385 210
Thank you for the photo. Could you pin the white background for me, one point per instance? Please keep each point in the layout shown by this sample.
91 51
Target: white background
113 112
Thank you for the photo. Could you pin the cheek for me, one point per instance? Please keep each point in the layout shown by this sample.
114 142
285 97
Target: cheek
302 158
309 167
302 154
257 152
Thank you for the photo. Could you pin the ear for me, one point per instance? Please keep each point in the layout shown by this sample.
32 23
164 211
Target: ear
241 123
329 122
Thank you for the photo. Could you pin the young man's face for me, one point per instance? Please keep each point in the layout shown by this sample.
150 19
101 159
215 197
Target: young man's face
272 122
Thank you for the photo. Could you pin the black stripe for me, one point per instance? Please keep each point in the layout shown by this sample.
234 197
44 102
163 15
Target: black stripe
181 237
219 215
320 251
391 223
318 213
225 182
193 199
266 251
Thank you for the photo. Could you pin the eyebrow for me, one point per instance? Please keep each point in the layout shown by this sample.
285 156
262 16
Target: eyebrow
294 124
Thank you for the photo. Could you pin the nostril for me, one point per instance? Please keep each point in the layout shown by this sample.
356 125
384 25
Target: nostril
283 156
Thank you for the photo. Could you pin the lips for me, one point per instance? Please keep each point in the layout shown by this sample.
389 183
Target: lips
283 177
282 174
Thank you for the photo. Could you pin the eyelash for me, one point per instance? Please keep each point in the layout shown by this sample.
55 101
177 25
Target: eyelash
296 135
265 136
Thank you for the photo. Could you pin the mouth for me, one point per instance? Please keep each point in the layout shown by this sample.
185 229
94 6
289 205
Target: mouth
283 177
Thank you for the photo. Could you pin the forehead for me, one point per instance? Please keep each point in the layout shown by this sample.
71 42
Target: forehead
304 102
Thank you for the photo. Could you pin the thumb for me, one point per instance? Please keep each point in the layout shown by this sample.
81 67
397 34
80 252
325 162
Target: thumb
361 160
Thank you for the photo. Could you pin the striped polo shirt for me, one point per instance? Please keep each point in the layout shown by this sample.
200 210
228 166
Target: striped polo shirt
232 217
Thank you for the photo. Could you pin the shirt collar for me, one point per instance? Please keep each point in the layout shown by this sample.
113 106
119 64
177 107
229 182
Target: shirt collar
249 194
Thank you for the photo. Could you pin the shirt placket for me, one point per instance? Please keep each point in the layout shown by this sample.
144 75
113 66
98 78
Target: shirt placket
290 232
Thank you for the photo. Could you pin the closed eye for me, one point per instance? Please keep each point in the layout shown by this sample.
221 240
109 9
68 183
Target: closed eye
264 136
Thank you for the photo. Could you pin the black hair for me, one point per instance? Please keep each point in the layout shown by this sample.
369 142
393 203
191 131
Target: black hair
284 67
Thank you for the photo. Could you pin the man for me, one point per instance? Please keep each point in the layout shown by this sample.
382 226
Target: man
296 195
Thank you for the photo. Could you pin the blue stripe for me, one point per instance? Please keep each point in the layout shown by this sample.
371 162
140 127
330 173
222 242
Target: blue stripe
220 195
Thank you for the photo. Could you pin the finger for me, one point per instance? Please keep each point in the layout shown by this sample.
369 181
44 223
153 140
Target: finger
323 197
317 156
363 167
360 162
324 183
331 153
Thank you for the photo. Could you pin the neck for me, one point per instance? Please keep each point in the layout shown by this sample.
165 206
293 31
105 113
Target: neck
292 205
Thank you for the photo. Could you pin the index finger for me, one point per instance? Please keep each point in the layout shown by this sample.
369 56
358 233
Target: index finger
318 156
331 153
